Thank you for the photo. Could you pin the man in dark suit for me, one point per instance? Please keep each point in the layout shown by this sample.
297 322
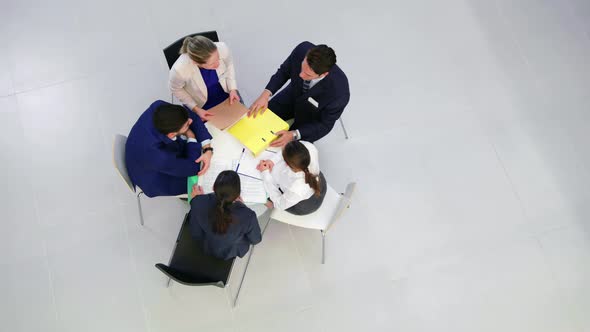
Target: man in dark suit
164 148
315 98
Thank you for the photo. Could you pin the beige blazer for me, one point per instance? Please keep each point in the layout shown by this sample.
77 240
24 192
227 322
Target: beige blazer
186 82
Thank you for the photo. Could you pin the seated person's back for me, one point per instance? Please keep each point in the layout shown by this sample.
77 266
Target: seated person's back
293 179
164 148
221 222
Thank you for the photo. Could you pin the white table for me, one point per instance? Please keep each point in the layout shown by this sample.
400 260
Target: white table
227 147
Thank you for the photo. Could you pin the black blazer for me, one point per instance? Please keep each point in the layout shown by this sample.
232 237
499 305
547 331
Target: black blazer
240 234
332 94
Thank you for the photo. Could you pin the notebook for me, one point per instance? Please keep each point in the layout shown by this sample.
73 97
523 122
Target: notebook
226 115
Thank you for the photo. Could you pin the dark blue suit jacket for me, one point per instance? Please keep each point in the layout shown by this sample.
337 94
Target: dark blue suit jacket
332 94
157 164
240 234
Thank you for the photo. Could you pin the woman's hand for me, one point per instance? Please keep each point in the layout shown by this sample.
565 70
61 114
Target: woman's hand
197 190
234 97
265 165
269 204
204 115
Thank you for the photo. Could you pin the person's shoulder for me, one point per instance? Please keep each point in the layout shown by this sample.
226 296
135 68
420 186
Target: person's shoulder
309 146
145 119
157 104
338 80
223 49
304 45
181 63
302 48
202 201
243 211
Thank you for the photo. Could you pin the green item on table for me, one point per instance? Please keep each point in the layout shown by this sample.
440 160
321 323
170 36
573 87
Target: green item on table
190 182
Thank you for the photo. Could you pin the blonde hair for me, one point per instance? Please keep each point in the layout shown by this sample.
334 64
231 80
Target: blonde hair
198 48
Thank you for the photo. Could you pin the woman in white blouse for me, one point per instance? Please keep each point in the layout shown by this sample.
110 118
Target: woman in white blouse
203 76
293 179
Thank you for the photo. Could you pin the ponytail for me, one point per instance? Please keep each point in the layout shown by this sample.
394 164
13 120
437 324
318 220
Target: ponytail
313 181
227 189
184 47
223 217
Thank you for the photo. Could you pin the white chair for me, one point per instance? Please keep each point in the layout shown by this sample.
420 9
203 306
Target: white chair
119 161
331 210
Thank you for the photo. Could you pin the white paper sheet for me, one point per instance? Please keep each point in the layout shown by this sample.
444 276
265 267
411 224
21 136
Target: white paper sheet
252 190
247 163
217 166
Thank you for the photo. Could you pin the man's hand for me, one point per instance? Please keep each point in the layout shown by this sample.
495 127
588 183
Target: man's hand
189 133
197 190
265 165
206 159
260 105
284 138
269 204
233 97
204 115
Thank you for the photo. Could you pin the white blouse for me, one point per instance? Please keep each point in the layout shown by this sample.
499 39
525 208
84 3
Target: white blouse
292 184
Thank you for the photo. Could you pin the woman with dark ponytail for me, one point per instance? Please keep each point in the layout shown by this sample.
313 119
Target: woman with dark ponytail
293 179
220 220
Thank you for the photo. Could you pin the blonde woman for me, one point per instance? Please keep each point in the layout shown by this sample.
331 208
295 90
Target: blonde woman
203 76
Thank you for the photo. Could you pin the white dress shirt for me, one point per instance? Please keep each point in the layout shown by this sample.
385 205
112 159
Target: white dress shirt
292 184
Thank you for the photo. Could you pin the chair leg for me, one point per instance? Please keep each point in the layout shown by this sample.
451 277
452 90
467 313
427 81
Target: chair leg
168 283
235 301
139 207
323 247
343 128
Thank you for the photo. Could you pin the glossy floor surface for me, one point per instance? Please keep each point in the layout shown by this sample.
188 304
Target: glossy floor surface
469 128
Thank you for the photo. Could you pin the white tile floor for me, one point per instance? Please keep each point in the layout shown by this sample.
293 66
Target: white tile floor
468 120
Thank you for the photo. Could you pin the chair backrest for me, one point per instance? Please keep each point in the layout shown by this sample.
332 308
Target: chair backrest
172 52
343 204
119 159
191 266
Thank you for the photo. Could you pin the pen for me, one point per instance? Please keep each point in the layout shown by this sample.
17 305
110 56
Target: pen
241 157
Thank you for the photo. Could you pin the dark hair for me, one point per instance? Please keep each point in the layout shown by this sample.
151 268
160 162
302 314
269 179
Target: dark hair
321 58
227 189
297 156
170 118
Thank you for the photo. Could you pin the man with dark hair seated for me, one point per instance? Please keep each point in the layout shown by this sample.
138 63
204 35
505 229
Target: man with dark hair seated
315 98
165 146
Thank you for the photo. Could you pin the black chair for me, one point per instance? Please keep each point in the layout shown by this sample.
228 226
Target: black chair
171 52
190 266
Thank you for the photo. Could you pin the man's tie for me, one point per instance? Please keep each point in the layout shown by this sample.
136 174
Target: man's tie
306 86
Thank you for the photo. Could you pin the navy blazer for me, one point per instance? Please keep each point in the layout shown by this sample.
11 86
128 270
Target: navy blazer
242 232
157 164
332 94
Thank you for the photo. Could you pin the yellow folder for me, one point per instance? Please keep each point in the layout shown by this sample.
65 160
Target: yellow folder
257 133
